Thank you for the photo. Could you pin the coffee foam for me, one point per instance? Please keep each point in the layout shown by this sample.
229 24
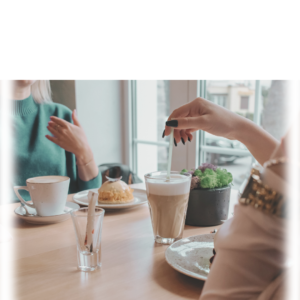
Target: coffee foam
47 179
169 188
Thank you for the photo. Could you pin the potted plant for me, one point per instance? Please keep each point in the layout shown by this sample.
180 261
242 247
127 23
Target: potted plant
209 196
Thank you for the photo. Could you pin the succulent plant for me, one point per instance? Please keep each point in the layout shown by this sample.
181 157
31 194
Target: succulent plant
209 176
205 166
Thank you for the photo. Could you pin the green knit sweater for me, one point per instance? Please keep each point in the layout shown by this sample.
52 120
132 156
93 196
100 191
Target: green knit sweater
34 154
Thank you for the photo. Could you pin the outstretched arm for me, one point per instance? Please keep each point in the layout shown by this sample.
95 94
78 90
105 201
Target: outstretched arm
202 114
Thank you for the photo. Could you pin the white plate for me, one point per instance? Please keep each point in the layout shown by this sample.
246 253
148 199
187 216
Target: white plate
190 256
20 212
140 197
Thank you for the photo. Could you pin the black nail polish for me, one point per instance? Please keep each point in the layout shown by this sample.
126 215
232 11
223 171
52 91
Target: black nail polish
163 134
182 141
175 143
172 123
189 139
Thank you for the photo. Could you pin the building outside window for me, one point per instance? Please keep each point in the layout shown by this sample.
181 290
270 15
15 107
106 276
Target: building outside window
244 102
256 100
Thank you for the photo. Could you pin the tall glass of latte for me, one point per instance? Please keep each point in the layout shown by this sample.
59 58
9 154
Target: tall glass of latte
168 200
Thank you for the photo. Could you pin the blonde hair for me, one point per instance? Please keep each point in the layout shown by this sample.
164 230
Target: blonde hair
41 91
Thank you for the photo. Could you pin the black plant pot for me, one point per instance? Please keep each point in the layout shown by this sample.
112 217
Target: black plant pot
208 207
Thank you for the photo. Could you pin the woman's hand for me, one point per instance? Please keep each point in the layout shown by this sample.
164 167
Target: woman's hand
212 118
70 137
204 115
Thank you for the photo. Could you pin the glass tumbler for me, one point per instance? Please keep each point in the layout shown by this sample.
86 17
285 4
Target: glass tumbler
88 256
168 200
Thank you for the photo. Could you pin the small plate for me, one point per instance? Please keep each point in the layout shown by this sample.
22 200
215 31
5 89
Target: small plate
140 197
190 256
35 219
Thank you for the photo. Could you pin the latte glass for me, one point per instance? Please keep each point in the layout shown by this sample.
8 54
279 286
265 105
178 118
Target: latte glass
168 201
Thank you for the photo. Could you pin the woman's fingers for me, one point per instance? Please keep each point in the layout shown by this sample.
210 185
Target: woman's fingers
53 139
59 121
55 132
54 125
182 111
184 136
183 127
186 123
75 118
189 135
177 137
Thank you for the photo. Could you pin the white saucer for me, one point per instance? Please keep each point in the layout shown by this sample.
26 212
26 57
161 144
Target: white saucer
35 219
190 256
140 197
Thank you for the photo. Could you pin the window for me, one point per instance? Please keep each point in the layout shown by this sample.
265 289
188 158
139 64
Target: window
244 102
232 155
219 99
151 108
152 102
255 100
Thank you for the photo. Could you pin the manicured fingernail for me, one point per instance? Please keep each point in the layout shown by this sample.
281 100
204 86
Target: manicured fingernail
175 143
182 141
189 139
163 134
172 123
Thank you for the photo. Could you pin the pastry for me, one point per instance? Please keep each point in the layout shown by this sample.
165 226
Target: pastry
115 192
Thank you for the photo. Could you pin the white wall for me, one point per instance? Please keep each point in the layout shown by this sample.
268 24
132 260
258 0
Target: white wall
98 105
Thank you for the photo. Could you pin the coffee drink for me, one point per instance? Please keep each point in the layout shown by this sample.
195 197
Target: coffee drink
47 179
168 200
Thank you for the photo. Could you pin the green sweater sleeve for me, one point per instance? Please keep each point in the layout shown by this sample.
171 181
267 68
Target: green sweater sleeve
91 184
34 154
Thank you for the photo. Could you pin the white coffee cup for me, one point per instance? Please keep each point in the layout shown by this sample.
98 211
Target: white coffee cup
48 194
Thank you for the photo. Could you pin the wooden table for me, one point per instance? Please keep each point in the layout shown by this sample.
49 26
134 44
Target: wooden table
133 266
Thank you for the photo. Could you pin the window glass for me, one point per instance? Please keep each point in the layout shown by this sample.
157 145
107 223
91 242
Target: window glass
232 94
151 158
275 106
239 97
235 95
152 111
152 108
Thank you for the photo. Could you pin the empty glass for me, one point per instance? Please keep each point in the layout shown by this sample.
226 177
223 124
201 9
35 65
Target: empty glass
88 255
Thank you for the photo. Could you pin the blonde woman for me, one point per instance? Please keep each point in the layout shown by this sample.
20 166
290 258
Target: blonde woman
48 139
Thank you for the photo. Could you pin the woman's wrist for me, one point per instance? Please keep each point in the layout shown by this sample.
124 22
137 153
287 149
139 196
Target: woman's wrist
88 172
259 142
86 165
242 126
84 157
